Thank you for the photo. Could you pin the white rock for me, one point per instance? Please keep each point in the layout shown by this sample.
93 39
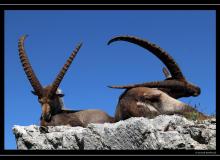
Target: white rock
136 133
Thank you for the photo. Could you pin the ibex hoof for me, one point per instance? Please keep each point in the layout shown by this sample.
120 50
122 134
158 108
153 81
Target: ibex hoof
43 129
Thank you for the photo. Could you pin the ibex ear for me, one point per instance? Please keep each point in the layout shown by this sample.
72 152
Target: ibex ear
34 93
166 73
60 95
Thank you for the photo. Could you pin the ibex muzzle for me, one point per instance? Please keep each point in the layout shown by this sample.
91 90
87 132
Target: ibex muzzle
46 112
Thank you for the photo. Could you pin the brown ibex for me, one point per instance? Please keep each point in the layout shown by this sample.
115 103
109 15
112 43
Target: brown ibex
53 112
159 97
175 85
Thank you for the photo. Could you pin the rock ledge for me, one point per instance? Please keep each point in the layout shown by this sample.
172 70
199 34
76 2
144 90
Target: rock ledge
137 133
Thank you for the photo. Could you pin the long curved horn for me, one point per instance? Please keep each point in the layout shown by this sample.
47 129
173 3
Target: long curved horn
28 69
157 51
63 71
157 84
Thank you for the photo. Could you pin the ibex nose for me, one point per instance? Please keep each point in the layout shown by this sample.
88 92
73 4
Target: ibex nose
197 92
46 115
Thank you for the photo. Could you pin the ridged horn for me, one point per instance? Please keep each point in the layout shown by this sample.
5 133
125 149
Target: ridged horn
157 51
63 71
28 69
157 84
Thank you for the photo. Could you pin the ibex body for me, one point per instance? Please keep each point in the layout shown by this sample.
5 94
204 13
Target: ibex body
154 98
77 118
50 97
145 102
150 102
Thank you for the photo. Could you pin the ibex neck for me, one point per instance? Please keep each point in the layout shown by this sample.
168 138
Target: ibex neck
57 105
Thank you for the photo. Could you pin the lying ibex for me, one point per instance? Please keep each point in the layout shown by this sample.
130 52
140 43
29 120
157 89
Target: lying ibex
150 102
175 85
53 112
153 98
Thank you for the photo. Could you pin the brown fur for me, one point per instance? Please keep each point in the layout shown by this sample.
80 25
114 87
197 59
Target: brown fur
150 102
81 118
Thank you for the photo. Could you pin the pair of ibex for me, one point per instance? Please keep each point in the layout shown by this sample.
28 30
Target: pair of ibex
138 100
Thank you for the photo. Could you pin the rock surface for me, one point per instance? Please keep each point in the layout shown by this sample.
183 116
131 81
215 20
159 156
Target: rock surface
137 133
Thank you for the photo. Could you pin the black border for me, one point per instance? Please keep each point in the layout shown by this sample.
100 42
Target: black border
2 78
111 2
217 75
109 7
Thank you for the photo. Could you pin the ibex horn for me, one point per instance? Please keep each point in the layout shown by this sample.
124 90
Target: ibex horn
157 84
63 71
157 51
28 69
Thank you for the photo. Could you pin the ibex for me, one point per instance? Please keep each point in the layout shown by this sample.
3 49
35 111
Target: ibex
53 112
159 97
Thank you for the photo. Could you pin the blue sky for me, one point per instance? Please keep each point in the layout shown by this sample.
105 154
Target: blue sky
189 37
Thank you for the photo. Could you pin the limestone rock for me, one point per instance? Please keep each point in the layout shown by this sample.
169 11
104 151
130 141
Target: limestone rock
137 133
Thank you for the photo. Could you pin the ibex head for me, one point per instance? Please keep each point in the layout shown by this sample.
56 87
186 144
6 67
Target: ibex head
175 85
49 96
